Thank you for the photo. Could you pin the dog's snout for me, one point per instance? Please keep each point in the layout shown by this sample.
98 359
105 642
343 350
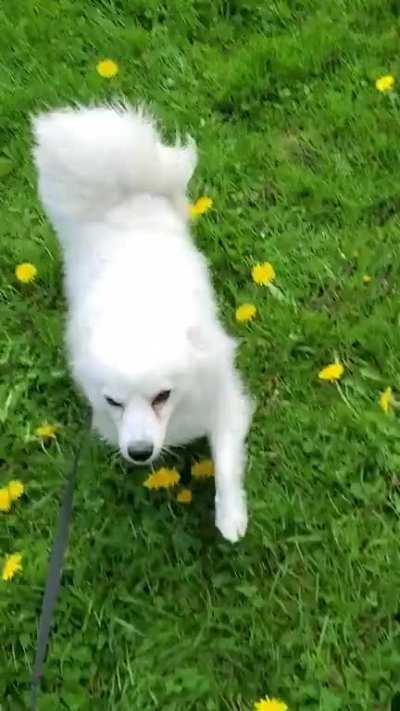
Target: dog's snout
140 451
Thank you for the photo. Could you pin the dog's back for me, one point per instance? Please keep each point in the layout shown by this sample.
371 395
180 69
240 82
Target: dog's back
116 195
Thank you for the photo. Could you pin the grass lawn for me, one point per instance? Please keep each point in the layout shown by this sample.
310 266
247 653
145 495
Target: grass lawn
301 154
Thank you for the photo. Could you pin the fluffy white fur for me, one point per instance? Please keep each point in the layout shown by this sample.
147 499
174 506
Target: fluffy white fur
142 314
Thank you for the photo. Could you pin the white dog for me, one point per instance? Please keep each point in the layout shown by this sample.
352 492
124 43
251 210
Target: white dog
143 335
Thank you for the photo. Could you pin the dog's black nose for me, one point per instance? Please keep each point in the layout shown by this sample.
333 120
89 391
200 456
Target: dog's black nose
140 451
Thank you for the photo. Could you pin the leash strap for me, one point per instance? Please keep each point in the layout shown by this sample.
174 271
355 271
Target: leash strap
54 577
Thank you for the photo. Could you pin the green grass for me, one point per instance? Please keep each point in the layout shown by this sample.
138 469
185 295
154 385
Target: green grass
301 155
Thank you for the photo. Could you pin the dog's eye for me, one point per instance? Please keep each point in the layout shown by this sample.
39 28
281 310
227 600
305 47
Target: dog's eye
112 402
161 398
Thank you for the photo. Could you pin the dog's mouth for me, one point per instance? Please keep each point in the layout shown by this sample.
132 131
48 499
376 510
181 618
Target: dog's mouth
140 462
140 456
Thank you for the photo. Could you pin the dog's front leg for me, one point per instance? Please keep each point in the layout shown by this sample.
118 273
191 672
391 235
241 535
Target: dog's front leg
232 419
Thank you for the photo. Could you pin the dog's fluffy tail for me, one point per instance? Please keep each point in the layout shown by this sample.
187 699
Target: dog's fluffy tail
93 159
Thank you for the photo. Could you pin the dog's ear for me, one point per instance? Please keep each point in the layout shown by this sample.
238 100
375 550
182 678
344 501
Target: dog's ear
203 345
197 341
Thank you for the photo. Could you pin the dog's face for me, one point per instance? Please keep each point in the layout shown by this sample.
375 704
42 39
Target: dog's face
141 414
135 391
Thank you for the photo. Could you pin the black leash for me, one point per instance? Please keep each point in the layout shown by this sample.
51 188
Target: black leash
54 575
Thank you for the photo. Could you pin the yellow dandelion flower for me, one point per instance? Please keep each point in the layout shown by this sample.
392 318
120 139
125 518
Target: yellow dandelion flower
46 431
202 205
270 705
15 489
202 469
12 564
184 496
386 399
366 279
25 272
263 273
331 372
5 499
107 68
162 479
385 83
245 312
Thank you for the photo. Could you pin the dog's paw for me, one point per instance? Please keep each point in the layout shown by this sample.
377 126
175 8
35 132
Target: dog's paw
231 517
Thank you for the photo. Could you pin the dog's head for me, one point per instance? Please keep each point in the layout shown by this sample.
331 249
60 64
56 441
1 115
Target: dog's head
140 407
134 389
